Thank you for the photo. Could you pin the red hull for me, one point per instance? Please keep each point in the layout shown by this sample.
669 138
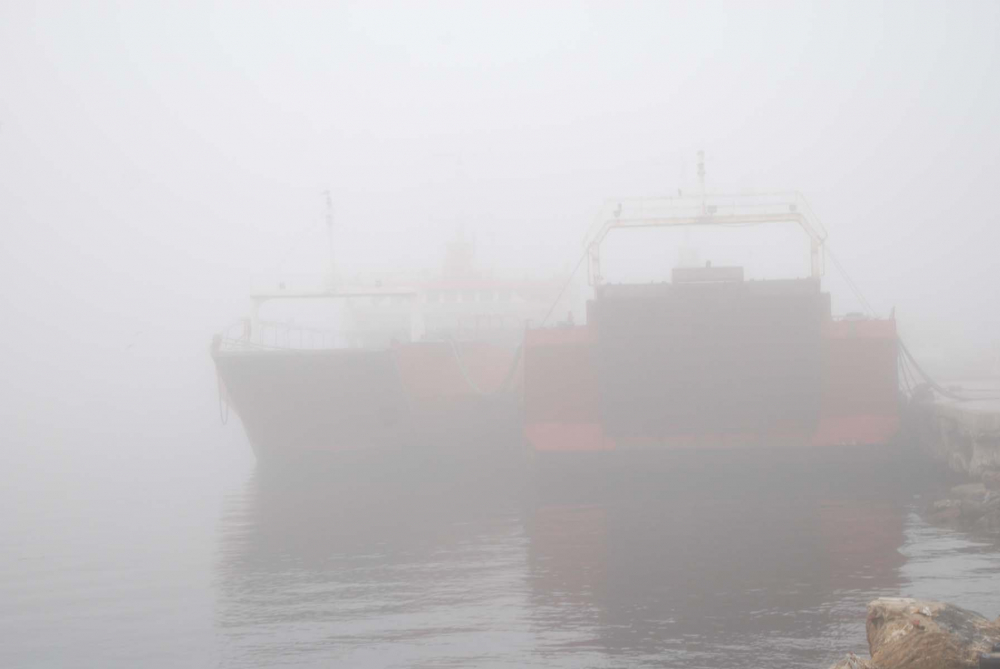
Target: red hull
839 379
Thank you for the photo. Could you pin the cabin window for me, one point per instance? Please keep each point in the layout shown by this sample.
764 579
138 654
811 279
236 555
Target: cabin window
486 296
469 296
505 296
434 296
451 296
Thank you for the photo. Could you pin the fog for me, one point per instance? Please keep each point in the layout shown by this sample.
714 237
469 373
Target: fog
158 162
155 158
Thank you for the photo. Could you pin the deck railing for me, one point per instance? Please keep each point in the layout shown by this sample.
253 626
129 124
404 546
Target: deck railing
244 335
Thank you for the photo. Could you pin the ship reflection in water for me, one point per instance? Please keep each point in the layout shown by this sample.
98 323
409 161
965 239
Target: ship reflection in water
707 568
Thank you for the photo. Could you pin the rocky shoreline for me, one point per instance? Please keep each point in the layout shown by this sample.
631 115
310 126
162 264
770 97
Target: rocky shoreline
919 634
964 437
970 506
962 431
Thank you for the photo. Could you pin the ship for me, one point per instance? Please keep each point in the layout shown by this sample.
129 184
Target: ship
711 360
708 360
388 363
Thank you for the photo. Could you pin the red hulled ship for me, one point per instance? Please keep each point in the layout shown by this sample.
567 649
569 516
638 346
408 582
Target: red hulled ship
707 360
396 363
710 360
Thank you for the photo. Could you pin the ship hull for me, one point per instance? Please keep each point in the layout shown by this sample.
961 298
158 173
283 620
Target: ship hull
748 366
726 366
416 399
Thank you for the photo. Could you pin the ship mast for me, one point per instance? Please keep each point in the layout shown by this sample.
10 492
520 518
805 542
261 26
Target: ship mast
687 255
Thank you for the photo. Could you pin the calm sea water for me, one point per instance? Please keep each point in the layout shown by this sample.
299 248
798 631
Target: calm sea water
160 557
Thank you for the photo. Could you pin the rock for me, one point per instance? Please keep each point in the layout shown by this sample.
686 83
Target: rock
970 506
988 522
945 514
918 634
972 510
973 492
852 661
992 504
991 480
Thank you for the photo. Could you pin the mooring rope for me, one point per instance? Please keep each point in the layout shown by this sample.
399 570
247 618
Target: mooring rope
906 379
934 385
562 290
850 281
905 358
513 368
